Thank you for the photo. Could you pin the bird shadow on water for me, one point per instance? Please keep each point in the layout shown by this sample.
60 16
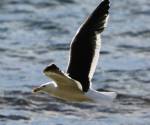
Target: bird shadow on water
19 101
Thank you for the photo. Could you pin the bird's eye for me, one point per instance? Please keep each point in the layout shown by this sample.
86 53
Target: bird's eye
44 86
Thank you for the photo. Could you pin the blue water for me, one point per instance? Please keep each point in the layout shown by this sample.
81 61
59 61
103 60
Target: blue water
34 33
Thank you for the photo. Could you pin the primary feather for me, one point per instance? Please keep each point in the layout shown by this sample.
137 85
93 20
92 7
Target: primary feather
85 46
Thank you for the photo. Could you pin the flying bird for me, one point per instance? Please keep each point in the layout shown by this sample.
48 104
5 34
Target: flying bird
75 85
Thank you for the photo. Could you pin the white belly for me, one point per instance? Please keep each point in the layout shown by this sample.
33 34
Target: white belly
73 95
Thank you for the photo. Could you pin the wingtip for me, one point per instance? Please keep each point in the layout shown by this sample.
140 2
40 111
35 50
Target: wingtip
50 67
105 3
101 14
108 1
103 8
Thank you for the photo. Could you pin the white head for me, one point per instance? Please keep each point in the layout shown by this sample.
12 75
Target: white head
45 88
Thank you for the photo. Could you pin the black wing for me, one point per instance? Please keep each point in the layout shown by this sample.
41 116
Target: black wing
85 46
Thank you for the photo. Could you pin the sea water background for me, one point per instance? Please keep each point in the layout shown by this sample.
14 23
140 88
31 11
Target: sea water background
34 33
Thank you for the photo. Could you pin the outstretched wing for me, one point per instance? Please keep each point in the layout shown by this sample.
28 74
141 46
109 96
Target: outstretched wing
61 79
85 46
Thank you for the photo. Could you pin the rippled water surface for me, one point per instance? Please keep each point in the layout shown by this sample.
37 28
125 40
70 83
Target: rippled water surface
34 33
